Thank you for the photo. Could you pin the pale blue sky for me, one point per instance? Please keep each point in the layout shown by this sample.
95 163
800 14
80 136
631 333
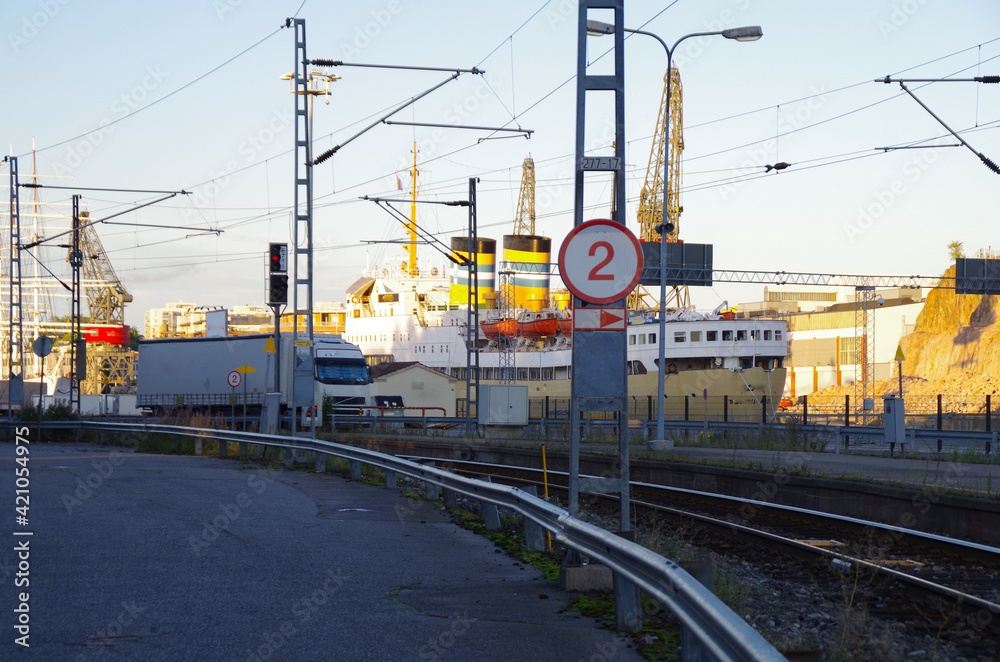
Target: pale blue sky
71 65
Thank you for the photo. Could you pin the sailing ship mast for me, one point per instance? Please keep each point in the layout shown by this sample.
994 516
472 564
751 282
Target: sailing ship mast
411 247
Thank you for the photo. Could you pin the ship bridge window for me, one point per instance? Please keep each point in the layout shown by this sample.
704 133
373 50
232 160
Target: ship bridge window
388 298
711 336
727 336
636 368
631 339
741 334
548 374
522 374
767 334
642 339
777 335
534 374
696 336
652 338
680 336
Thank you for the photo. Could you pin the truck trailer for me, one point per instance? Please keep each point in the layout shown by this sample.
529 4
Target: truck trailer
233 371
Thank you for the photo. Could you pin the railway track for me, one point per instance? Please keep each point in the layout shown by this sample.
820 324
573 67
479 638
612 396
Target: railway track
921 573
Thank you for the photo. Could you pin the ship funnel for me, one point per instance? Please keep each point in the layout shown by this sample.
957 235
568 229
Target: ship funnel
486 259
528 256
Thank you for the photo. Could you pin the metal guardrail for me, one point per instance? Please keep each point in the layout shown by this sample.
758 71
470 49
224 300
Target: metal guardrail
721 632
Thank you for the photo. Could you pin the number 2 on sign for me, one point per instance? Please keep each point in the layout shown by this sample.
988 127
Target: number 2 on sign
610 253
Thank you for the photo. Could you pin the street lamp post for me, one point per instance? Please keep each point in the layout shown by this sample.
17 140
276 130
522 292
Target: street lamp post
749 33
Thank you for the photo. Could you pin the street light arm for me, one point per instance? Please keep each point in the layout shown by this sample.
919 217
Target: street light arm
656 37
694 34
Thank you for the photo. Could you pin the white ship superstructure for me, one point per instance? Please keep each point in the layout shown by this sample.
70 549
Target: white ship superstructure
409 318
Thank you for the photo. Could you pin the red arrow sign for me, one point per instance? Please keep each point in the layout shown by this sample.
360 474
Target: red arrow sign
599 319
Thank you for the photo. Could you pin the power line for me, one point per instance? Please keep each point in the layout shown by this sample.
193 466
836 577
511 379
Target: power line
153 103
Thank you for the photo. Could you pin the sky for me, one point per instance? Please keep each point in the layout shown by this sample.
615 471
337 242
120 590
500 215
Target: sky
188 96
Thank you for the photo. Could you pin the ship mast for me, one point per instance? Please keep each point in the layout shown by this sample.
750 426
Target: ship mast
411 247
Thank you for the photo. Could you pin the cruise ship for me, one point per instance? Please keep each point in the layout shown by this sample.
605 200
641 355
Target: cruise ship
716 364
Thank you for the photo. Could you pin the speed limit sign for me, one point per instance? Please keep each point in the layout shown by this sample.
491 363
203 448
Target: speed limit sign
600 261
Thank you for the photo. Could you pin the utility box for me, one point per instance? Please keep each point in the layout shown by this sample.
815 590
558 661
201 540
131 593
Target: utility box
503 404
894 420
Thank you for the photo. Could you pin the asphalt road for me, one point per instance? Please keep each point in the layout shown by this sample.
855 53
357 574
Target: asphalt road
143 557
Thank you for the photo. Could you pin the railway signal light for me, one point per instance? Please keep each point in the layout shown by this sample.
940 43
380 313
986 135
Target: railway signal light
277 291
278 258
310 414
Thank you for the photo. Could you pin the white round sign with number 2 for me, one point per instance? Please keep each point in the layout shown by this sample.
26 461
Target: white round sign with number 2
600 261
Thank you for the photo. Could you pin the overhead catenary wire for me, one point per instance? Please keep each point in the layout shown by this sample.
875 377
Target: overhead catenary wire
693 126
105 125
269 213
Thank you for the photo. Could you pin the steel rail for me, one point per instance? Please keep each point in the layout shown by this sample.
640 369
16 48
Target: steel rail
975 550
972 606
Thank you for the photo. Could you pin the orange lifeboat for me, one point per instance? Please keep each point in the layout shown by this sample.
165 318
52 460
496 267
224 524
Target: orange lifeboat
538 325
494 328
566 325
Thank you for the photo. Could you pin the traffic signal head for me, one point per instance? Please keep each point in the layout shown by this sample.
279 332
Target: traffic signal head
277 291
277 261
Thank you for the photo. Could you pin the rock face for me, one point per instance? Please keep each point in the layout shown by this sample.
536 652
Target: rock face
954 351
955 334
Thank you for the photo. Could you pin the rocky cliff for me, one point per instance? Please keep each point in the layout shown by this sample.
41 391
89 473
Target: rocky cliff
955 334
954 352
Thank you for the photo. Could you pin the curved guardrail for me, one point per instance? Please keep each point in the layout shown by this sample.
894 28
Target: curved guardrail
720 632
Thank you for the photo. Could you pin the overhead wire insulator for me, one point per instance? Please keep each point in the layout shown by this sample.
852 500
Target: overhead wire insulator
989 164
987 79
324 156
325 63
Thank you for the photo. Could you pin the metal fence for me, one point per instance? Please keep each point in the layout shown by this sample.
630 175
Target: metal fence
720 632
971 413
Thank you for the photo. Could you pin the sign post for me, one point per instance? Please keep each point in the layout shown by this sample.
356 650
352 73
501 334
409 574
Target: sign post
600 262
244 370
42 347
234 379
599 357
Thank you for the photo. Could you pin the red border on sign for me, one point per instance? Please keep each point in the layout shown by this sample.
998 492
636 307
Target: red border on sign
583 226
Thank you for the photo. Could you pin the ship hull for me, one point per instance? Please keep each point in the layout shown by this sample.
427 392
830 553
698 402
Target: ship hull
714 394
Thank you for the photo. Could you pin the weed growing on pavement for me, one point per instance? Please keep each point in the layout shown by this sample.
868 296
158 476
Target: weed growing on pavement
510 540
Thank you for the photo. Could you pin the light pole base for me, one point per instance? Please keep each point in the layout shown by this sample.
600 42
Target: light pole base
661 445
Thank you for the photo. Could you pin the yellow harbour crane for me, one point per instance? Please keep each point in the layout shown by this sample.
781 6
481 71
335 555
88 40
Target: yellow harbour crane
524 221
524 283
664 157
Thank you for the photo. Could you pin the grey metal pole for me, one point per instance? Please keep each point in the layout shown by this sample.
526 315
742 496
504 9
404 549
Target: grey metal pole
662 360
660 368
